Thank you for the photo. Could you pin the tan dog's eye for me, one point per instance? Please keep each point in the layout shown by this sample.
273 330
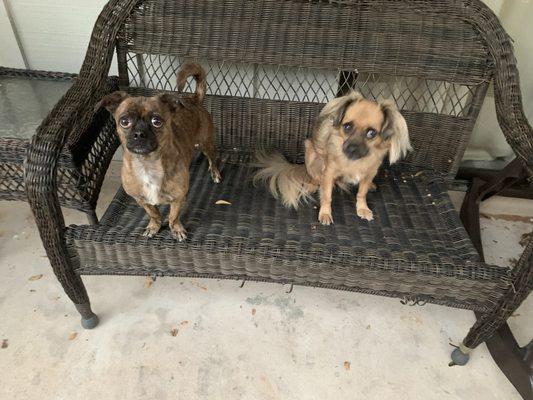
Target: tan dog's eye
156 122
371 134
347 127
125 122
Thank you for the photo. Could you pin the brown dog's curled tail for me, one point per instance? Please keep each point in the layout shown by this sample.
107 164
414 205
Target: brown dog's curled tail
197 72
287 181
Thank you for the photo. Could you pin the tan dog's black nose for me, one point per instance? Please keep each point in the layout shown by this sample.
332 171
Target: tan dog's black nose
355 149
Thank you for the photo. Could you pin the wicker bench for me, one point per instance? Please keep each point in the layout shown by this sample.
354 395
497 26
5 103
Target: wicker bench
271 66
27 96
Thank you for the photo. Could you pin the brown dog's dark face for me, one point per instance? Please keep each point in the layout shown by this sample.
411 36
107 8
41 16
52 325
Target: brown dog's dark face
141 122
360 124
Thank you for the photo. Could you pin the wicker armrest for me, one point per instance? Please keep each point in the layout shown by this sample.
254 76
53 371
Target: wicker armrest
508 98
509 109
73 113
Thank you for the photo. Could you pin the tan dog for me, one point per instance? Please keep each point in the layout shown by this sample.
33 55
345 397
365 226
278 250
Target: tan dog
352 137
159 136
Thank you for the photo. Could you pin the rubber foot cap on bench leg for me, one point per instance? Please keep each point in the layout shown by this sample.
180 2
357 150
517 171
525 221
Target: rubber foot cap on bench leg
459 358
90 323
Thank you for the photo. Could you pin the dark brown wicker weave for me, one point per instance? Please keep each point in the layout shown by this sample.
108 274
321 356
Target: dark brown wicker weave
81 165
271 65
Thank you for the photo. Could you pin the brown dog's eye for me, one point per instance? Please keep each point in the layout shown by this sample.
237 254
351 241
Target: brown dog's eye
125 122
371 134
347 127
156 122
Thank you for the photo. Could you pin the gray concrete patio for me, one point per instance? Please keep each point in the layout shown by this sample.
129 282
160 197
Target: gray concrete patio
207 339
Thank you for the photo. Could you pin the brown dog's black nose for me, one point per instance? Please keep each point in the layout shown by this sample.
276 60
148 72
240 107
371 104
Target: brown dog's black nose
138 135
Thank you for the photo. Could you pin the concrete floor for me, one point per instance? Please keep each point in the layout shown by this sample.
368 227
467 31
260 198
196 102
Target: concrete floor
207 339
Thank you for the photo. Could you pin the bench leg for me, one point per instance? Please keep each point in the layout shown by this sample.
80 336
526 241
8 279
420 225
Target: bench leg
515 362
89 320
75 290
51 225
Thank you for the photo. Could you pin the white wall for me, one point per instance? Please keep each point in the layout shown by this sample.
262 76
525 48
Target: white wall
10 55
54 34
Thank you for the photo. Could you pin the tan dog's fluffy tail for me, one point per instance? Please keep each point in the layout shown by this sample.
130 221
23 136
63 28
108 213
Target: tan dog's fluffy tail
197 72
287 181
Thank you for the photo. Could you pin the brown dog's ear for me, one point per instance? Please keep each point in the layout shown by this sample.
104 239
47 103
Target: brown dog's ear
173 101
111 101
336 108
169 100
395 129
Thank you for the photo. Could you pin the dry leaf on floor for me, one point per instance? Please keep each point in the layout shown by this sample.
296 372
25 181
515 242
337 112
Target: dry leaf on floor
199 286
148 282
347 365
174 332
5 344
253 311
35 277
72 335
184 322
224 202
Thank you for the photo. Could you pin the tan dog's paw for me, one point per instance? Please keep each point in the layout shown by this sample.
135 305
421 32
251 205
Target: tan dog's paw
325 218
215 175
365 213
178 232
151 229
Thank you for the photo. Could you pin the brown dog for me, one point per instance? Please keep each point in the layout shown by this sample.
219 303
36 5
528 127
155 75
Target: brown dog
352 137
159 136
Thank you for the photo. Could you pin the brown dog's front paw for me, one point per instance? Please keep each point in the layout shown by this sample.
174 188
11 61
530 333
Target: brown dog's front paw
151 229
325 218
178 232
365 213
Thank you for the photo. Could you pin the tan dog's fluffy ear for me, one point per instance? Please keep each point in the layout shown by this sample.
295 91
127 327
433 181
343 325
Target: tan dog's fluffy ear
395 130
336 108
111 101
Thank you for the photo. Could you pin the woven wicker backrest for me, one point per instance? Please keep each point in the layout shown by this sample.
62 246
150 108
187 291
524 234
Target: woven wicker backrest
272 64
